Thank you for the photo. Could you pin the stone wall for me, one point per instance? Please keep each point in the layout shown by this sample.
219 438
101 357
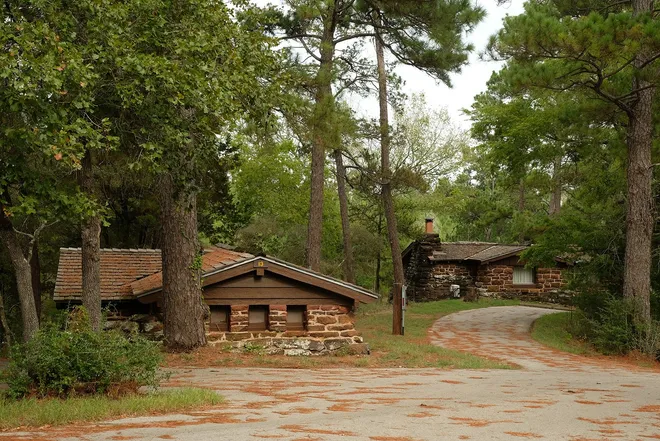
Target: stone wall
497 281
329 328
428 281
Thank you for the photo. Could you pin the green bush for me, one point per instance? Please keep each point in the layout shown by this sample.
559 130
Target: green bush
609 324
655 305
78 361
612 328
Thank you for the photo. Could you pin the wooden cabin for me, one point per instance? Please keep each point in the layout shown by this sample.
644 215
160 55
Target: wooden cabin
257 299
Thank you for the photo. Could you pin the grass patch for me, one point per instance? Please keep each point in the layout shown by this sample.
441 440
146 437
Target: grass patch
32 412
374 321
554 330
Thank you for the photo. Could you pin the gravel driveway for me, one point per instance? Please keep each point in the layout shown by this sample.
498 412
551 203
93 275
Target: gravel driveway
554 397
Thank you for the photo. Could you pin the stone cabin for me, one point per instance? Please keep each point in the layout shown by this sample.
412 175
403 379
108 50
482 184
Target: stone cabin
432 267
252 300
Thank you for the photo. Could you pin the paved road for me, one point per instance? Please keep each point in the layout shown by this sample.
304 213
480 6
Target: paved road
554 397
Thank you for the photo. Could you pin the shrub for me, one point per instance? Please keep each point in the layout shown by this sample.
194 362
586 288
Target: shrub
612 327
609 324
79 361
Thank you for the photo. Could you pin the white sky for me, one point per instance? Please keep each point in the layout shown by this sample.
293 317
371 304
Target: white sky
470 82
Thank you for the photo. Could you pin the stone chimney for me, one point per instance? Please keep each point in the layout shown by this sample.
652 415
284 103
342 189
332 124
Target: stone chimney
429 225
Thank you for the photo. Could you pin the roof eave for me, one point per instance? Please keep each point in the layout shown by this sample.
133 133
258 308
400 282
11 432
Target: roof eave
278 262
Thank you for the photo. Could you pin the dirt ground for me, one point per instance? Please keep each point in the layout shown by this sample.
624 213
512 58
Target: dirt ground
554 396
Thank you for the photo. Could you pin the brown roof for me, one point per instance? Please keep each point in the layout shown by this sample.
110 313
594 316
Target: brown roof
479 251
119 267
126 273
279 267
213 259
497 252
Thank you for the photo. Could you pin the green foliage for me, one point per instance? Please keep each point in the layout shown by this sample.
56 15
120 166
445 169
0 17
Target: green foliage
427 35
610 325
78 361
612 329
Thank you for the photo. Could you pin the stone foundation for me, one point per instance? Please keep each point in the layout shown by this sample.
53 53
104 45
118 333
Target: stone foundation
328 329
295 345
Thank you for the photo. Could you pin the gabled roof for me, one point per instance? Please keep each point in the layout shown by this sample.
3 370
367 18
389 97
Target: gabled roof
125 276
497 252
482 252
295 272
279 267
212 259
126 272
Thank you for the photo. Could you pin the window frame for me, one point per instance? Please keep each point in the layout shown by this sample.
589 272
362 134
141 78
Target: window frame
302 326
258 326
532 272
217 326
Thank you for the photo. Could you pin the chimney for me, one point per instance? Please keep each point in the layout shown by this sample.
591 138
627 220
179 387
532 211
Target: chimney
429 225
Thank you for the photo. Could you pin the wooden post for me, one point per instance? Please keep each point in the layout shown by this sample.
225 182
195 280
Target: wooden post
397 308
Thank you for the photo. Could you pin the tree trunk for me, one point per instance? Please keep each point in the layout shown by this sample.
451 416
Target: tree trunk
183 308
521 207
639 207
378 256
386 191
321 130
555 198
23 276
3 321
91 251
349 263
35 271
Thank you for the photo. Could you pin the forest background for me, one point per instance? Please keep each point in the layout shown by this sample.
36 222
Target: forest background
228 127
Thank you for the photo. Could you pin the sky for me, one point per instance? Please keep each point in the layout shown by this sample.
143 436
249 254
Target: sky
470 82
473 77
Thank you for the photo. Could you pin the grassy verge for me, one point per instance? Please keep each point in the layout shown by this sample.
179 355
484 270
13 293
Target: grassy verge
553 330
374 321
37 413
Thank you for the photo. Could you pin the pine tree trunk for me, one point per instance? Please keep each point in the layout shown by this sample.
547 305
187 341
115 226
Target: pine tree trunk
321 131
35 271
23 276
555 198
91 251
6 330
183 308
386 191
639 207
521 207
378 256
349 263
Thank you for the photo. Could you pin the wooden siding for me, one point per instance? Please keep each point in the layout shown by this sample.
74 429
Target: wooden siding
270 289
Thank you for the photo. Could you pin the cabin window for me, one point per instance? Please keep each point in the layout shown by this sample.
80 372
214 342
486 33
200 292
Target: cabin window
258 318
523 276
219 320
295 318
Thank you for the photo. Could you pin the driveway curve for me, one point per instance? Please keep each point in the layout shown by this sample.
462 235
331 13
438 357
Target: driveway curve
503 333
553 397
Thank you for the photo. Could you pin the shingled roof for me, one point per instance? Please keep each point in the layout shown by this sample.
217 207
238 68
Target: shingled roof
125 273
482 252
214 259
